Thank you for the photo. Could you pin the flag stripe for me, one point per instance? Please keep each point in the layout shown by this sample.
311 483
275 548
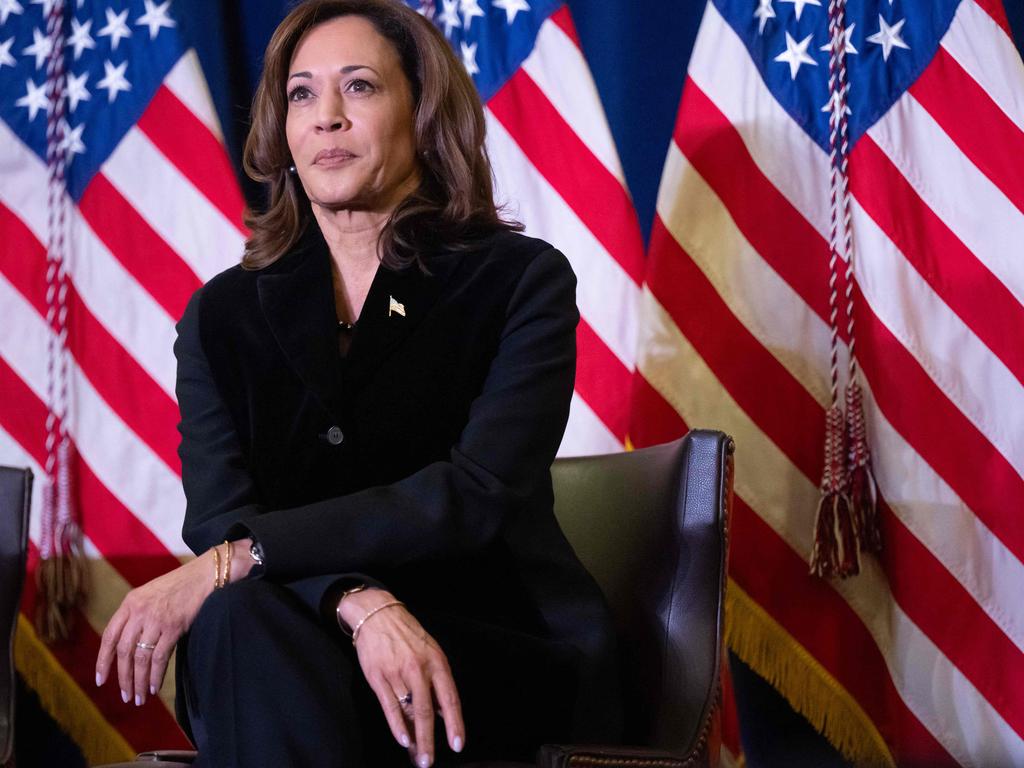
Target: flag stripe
585 433
172 205
563 19
131 240
194 151
116 375
186 82
554 149
948 266
994 8
601 380
980 129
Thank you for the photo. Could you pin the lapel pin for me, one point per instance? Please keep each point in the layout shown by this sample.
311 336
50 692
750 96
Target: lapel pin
395 307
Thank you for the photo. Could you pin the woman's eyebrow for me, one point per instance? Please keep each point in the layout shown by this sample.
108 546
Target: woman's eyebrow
344 70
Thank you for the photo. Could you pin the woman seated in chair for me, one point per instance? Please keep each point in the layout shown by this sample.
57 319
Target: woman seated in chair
370 405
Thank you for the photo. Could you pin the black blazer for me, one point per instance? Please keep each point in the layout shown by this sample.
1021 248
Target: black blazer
420 460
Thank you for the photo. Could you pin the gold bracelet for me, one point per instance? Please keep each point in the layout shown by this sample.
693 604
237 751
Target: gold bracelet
378 609
227 564
337 608
216 569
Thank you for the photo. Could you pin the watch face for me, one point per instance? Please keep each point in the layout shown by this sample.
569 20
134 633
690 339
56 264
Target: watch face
256 552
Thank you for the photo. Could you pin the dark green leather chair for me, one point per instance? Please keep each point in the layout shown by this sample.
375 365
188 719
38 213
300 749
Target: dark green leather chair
651 526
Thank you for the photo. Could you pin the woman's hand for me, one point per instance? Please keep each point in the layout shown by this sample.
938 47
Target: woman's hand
399 658
143 630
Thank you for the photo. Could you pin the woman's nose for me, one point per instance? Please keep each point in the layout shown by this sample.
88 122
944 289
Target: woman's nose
331 113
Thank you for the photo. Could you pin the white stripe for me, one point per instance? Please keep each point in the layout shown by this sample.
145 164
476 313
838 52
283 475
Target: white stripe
118 458
186 81
944 177
558 68
785 326
606 295
111 293
987 54
194 228
586 434
945 702
959 363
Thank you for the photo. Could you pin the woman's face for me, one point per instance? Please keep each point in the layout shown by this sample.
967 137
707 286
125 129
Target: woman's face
350 118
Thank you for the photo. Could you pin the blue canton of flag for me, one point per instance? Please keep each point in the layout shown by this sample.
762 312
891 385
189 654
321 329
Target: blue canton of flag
492 37
888 45
117 54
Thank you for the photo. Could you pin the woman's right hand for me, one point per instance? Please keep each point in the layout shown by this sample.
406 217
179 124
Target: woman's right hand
399 657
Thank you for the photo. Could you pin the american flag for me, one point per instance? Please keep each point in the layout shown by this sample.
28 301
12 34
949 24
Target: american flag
153 210
919 659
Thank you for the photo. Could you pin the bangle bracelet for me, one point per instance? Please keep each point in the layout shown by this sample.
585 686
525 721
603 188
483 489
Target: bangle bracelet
216 569
337 608
227 563
378 609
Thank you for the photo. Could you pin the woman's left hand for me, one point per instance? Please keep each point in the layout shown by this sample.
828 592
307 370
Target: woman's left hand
143 631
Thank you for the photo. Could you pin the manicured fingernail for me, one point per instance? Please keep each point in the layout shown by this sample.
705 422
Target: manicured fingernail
99 681
138 700
423 761
404 741
457 743
152 690
124 696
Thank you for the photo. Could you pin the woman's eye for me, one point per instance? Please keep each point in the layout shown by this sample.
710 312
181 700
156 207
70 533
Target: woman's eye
298 94
360 86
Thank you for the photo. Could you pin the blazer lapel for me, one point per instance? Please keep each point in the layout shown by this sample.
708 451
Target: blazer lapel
395 306
298 304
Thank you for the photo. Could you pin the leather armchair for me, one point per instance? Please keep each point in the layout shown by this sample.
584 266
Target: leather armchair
15 492
651 526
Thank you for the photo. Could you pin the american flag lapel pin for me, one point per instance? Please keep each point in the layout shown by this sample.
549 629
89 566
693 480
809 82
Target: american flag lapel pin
395 307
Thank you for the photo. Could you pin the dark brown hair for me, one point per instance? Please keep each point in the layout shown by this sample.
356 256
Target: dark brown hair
454 203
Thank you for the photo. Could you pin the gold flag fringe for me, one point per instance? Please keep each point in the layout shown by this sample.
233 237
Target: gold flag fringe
65 702
763 645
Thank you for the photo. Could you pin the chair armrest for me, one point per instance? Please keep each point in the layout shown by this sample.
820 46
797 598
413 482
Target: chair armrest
180 756
601 756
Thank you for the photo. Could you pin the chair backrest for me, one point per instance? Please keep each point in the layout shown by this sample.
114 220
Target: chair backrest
650 525
15 491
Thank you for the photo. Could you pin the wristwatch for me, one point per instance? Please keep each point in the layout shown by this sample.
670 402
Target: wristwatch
256 552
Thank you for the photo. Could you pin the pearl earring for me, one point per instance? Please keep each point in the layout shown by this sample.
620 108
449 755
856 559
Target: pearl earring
291 169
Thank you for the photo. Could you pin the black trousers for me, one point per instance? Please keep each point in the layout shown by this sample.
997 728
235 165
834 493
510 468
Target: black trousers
267 684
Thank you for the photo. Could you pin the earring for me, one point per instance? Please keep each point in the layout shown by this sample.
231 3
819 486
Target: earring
291 169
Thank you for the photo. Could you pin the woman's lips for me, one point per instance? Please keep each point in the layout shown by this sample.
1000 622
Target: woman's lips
328 157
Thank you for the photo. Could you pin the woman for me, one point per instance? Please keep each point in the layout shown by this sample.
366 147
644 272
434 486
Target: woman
370 406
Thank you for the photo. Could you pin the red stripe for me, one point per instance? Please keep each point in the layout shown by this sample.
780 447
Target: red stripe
938 255
602 380
120 380
770 223
563 19
561 157
919 410
994 8
134 243
732 353
147 727
195 151
976 124
120 537
652 420
821 620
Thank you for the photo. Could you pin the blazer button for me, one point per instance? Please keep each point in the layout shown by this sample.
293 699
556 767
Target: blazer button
334 436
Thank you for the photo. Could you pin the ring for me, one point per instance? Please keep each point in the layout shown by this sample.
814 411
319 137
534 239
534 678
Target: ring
151 647
405 700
